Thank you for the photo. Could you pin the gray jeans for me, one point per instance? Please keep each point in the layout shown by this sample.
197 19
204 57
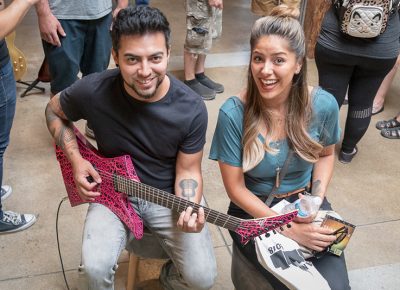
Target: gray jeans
192 262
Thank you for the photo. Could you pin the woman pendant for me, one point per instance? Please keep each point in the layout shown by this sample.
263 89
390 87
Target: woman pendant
277 181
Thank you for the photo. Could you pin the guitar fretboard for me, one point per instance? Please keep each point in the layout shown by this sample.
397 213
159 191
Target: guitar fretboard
168 200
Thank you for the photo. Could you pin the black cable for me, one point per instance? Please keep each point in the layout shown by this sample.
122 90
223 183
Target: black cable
58 241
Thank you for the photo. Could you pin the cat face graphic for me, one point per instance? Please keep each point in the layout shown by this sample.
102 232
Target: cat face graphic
368 23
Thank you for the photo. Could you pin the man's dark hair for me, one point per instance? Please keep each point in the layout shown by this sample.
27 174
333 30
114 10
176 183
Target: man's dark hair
139 20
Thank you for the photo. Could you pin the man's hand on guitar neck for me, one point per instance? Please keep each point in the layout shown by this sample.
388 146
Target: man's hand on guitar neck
190 222
49 26
61 129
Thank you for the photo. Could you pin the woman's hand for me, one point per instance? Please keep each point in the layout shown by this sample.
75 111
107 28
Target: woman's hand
310 235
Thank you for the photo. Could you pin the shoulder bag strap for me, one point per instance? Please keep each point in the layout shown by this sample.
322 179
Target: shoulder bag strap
281 176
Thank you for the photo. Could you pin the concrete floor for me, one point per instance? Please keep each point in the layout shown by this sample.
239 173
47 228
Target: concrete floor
365 192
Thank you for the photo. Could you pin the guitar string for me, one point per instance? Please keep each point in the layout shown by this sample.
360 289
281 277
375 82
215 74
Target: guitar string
168 198
165 196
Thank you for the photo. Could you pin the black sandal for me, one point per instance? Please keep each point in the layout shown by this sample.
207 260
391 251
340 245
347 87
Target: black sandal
389 124
393 133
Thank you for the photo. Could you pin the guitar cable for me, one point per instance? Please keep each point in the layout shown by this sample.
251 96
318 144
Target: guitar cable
58 241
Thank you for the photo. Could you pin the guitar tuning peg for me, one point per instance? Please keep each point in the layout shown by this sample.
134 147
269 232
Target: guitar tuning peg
267 235
274 231
281 228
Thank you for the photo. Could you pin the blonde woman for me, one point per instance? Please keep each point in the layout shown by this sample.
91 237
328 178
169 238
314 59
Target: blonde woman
255 131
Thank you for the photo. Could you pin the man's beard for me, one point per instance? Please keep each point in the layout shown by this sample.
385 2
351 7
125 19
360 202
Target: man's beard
146 96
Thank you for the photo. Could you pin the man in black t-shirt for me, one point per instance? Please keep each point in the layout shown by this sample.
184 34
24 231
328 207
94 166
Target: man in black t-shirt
139 110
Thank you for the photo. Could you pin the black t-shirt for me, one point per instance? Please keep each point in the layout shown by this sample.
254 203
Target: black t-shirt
151 133
4 58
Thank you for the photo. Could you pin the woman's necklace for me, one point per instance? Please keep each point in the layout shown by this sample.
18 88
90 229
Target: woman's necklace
278 167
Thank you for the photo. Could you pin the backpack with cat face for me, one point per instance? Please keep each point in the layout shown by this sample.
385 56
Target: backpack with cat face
364 18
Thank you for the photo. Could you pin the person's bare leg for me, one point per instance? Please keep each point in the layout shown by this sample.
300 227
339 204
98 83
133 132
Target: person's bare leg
202 78
201 60
379 99
189 63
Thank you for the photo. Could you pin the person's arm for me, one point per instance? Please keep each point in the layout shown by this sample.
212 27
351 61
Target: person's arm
305 233
49 26
216 3
13 14
121 4
60 128
189 185
238 193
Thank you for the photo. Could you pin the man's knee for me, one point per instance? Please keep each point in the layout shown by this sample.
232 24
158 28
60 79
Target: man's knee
98 274
201 280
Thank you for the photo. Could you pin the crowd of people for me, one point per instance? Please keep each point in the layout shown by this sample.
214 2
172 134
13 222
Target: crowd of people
140 110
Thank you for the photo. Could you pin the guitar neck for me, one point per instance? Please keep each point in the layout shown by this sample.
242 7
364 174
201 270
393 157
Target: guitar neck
168 200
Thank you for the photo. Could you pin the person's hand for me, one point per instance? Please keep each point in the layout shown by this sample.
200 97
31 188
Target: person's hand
50 29
311 236
216 3
191 222
82 170
33 2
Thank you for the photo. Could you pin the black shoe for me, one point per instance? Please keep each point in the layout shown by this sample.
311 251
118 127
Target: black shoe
14 222
205 92
346 158
89 131
204 80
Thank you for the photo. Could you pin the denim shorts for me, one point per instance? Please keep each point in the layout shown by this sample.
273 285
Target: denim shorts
86 48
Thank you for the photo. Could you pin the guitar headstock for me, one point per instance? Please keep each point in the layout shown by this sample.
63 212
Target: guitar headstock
249 229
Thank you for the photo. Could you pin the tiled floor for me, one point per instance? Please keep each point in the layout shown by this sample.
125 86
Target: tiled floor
365 192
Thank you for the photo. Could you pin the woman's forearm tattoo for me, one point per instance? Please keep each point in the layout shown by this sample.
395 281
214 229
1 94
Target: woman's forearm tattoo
316 187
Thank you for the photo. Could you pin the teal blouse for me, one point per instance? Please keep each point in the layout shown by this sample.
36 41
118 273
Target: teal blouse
227 144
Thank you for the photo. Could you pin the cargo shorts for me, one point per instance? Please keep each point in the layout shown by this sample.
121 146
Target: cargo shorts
200 24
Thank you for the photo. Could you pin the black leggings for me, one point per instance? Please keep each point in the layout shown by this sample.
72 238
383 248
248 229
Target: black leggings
362 76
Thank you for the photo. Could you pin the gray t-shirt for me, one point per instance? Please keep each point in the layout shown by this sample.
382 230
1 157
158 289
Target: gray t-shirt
80 9
385 46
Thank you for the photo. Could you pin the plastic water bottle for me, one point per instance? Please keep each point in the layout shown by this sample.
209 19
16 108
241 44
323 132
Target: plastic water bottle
307 205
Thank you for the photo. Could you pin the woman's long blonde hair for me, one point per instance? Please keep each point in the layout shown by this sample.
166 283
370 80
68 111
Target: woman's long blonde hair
299 112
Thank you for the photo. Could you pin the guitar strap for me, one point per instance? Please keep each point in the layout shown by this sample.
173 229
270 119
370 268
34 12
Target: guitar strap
281 176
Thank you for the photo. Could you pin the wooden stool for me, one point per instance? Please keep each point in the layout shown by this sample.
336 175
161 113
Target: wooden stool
132 271
146 248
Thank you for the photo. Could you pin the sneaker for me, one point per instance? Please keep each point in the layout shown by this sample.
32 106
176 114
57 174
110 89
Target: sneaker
346 158
205 92
6 191
204 80
89 131
14 222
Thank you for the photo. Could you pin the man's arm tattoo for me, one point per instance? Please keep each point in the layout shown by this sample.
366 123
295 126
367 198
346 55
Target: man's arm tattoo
59 126
188 187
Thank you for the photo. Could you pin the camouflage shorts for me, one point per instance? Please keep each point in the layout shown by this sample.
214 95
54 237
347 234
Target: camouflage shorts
201 21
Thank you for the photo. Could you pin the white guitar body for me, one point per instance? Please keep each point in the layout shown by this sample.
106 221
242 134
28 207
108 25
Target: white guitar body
282 257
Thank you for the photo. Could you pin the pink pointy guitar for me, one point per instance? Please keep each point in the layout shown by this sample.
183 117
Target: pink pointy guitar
119 180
